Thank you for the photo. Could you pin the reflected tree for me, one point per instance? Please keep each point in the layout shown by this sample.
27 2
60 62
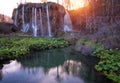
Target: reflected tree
1 74
58 76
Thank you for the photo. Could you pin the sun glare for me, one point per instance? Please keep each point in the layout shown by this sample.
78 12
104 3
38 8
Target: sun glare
7 10
77 4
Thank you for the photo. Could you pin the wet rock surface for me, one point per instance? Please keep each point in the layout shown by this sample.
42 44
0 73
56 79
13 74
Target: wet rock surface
37 15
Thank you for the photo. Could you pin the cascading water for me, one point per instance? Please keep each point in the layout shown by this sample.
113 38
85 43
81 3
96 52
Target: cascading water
34 22
41 23
15 20
35 32
23 20
40 20
48 22
67 23
25 27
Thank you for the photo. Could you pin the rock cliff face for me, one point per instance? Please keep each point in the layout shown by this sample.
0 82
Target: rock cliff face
95 28
7 28
97 14
40 19
78 18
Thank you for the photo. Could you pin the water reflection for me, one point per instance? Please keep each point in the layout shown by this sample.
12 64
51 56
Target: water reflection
53 66
0 74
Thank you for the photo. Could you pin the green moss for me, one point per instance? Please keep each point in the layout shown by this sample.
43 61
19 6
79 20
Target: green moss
16 47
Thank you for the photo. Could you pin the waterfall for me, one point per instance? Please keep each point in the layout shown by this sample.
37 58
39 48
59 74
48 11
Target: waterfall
35 31
40 19
41 23
25 27
34 21
48 22
67 23
23 20
15 20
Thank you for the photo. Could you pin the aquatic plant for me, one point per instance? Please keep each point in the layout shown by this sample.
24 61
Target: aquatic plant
109 62
15 47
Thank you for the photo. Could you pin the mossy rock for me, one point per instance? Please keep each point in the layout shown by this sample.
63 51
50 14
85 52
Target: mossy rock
86 46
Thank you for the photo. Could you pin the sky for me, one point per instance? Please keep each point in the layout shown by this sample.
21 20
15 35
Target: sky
7 6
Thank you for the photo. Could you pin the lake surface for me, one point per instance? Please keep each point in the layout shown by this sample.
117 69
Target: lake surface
52 66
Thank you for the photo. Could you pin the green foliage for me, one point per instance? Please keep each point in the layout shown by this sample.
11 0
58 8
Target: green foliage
109 62
114 77
109 59
14 47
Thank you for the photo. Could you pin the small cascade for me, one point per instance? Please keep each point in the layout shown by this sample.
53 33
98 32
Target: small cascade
23 20
48 22
67 23
34 21
15 20
25 27
41 23
32 17
35 31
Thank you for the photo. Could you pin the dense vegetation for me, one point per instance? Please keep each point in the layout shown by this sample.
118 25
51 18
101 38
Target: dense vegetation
109 62
15 47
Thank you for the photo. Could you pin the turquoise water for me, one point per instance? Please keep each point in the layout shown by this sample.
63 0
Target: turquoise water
52 66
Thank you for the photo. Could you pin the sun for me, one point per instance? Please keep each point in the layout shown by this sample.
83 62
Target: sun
74 4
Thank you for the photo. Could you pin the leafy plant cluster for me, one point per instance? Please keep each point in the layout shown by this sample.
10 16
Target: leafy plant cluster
14 47
109 62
